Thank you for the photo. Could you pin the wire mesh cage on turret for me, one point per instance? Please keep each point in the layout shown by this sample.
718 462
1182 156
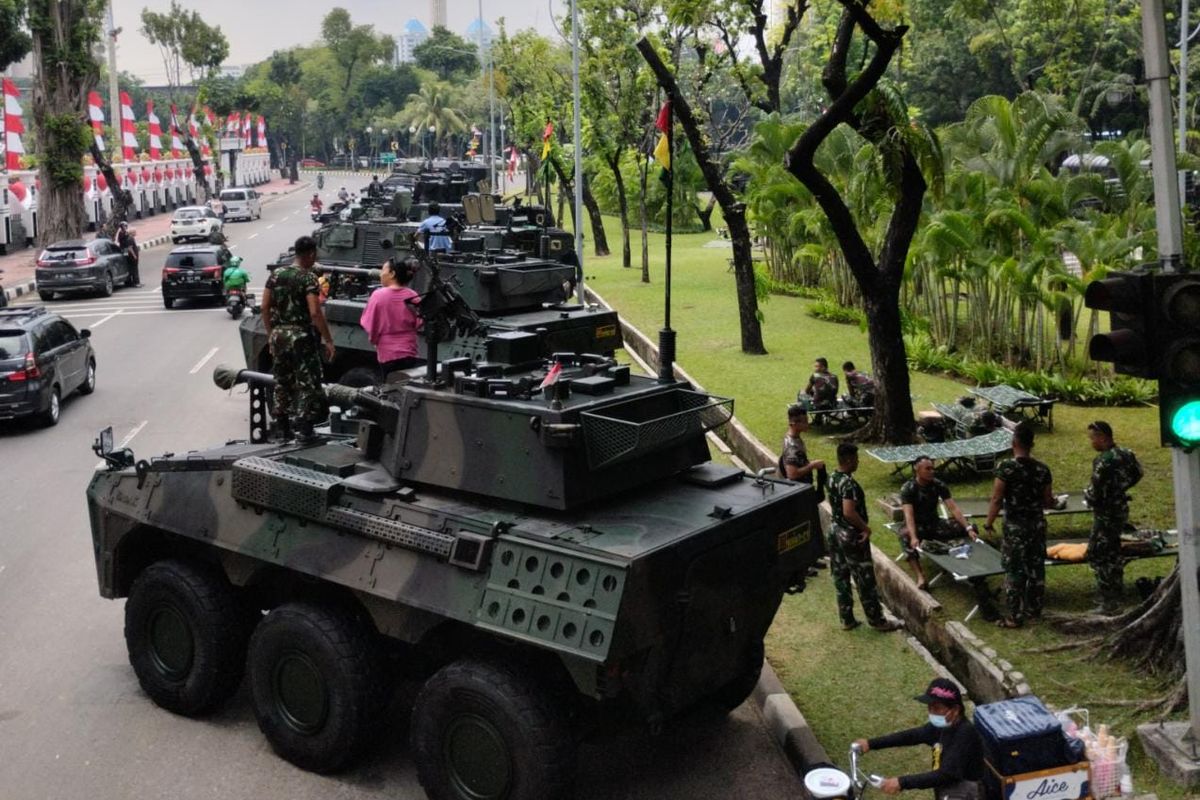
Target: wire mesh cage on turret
625 431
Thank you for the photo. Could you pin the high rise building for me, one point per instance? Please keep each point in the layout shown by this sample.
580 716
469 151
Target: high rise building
414 33
478 33
437 13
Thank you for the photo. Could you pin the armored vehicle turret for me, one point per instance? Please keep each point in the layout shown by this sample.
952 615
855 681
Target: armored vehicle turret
524 302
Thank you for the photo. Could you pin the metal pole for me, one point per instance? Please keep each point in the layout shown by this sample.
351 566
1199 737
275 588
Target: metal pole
666 337
1184 13
482 77
1166 209
114 91
492 117
578 152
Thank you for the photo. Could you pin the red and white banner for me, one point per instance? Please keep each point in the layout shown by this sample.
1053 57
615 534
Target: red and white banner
514 159
14 126
247 129
232 123
176 142
129 143
96 115
262 131
17 189
155 132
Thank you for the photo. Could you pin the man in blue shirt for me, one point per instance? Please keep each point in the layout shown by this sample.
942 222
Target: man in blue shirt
434 230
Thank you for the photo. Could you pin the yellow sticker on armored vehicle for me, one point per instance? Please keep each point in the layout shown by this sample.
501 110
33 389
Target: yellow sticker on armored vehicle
793 538
605 331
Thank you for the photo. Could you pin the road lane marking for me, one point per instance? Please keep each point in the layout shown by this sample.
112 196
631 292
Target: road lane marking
251 236
124 442
272 225
200 364
100 322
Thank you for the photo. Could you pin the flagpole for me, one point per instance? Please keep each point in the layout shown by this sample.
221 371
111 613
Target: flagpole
666 337
578 153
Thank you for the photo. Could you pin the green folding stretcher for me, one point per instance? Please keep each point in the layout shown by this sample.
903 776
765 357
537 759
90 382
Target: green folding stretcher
978 454
1012 402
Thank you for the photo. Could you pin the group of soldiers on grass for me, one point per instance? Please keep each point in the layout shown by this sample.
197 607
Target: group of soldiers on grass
1022 491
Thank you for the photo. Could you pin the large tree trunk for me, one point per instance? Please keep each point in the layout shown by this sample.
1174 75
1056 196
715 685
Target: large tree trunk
614 163
733 209
60 30
705 213
893 398
122 200
566 183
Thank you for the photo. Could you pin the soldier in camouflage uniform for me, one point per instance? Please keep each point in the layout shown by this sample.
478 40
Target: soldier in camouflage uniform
848 542
859 385
292 316
794 463
1023 486
822 386
1114 472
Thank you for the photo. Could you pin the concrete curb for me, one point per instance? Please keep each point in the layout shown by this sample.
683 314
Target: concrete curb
30 286
786 726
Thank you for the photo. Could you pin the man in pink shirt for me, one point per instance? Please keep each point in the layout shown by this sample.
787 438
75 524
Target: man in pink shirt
390 319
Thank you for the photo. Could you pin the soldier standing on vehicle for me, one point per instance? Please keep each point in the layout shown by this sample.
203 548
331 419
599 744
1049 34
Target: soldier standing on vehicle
374 188
1114 472
822 386
848 542
793 461
291 312
1023 486
433 228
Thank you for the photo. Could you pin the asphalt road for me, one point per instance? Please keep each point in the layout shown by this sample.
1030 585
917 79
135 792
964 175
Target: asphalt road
74 722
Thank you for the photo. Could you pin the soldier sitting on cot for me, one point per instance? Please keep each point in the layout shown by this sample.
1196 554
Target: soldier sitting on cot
822 386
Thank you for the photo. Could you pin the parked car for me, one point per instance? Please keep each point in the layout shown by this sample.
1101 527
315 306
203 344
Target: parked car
311 162
194 222
43 360
78 266
241 203
194 270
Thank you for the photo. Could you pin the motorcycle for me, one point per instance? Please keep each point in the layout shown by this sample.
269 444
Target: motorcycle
314 213
831 783
320 180
236 301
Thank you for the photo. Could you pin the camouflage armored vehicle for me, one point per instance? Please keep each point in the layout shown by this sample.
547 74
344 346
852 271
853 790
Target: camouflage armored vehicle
538 543
521 298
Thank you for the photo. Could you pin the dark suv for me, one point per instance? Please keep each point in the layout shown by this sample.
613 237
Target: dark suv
42 360
78 266
194 271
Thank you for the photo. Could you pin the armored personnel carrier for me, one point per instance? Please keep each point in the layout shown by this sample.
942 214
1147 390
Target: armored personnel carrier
537 542
524 301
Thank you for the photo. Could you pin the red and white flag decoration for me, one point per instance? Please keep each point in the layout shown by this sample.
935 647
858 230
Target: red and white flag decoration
176 142
129 143
551 376
155 132
16 188
262 131
14 126
247 128
96 115
232 123
514 159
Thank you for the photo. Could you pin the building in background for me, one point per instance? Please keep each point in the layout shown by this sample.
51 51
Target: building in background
414 33
437 13
472 35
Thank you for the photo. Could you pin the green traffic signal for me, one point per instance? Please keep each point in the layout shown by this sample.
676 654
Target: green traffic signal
1185 423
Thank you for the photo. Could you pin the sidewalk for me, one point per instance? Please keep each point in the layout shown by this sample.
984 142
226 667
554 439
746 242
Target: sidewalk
17 278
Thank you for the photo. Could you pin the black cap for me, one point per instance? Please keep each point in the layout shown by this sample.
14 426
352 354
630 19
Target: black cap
941 690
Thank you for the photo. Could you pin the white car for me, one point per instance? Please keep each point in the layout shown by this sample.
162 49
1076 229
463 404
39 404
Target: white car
241 203
194 222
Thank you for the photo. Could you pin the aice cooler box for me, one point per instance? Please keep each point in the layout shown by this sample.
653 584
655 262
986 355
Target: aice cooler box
1020 735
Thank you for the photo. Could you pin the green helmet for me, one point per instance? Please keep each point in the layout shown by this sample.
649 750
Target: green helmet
235 262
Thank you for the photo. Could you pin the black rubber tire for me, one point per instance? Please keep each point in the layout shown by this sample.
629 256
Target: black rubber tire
89 383
176 239
50 416
359 377
527 743
46 296
734 693
337 655
168 302
174 598
108 287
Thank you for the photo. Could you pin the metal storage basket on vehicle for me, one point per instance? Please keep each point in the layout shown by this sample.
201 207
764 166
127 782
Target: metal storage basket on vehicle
624 431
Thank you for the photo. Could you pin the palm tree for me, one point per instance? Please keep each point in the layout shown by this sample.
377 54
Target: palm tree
433 106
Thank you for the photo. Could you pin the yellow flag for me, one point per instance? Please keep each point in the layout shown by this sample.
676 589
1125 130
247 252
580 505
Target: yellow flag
662 153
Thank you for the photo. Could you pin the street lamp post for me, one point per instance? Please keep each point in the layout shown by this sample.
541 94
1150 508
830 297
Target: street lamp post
412 134
370 143
504 161
432 140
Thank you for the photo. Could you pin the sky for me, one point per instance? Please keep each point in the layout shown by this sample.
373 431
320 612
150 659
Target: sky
255 28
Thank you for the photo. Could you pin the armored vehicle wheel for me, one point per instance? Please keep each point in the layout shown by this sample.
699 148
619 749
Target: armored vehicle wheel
186 632
481 730
359 377
314 673
734 693
46 296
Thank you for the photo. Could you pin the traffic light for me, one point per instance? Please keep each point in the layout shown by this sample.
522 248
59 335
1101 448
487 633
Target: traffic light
1177 323
1131 340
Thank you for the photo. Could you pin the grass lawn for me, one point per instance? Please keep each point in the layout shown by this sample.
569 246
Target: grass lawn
860 683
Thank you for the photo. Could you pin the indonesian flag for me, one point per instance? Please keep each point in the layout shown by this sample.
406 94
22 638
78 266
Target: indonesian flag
176 142
551 376
155 132
96 115
16 187
209 118
247 129
662 150
546 134
231 123
262 131
129 141
514 159
13 128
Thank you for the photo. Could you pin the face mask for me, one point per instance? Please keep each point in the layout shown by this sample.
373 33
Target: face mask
938 721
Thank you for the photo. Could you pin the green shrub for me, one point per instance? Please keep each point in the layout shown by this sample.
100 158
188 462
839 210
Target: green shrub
832 311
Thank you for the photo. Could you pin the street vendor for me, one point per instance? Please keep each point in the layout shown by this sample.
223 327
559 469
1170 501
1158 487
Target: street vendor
822 386
957 749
